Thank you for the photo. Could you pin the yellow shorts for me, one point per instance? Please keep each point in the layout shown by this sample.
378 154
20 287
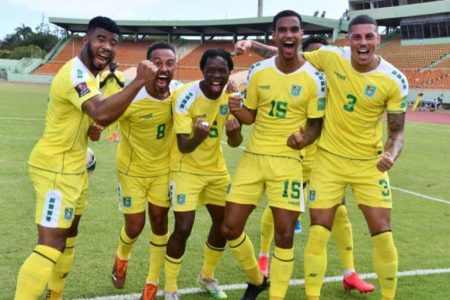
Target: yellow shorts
331 174
136 192
59 197
279 177
188 191
306 169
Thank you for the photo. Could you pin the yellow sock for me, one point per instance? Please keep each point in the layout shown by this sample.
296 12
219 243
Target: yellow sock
172 270
63 267
280 272
211 259
315 259
35 272
158 244
125 245
385 260
342 233
243 252
266 231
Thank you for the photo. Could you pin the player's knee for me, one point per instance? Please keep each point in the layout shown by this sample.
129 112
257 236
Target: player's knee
134 229
229 233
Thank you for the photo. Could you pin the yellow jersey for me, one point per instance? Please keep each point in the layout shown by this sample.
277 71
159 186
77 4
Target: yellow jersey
356 102
146 131
62 148
190 103
111 86
283 102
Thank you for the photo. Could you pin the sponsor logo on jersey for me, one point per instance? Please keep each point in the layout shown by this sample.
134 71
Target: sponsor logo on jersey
82 89
146 116
296 90
68 213
340 76
264 87
370 90
223 109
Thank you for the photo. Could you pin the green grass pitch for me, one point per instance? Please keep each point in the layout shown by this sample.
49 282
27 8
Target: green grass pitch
421 226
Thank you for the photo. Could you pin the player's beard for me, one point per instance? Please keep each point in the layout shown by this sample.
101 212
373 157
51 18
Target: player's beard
91 56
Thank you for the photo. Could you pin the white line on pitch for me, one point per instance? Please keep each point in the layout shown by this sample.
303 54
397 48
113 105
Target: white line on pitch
420 195
291 283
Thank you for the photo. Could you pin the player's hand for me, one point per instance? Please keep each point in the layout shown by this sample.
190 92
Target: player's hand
242 47
232 126
231 87
145 72
94 132
201 129
386 162
295 140
235 102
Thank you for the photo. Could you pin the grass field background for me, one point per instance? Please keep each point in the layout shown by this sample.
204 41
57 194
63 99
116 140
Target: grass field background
421 226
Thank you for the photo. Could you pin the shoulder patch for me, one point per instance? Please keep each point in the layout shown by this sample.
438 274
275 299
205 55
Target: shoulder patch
185 99
82 89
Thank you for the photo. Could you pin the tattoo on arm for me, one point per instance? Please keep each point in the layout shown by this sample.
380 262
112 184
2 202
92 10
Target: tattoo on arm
264 50
394 142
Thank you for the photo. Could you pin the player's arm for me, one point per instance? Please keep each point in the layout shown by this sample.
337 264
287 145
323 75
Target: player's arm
186 143
243 114
394 143
233 131
303 138
244 46
106 112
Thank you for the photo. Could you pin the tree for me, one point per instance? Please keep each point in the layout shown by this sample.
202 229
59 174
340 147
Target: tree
26 43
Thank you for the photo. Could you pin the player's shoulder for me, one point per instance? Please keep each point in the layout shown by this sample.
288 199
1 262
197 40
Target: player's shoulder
185 96
260 66
394 74
74 72
317 76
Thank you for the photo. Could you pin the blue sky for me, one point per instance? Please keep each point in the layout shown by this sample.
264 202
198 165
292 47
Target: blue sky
14 13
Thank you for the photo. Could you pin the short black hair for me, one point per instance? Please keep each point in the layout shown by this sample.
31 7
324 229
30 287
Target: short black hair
362 19
314 39
286 13
103 22
159 45
210 53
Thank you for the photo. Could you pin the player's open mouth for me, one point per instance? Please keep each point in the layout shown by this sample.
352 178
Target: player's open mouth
216 87
288 47
103 58
363 53
162 81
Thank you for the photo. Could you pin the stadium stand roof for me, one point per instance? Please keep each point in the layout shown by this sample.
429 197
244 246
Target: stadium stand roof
225 27
395 11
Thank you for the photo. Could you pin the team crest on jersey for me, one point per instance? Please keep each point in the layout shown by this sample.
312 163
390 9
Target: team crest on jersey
127 201
224 109
82 89
312 195
370 90
296 90
68 213
181 199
